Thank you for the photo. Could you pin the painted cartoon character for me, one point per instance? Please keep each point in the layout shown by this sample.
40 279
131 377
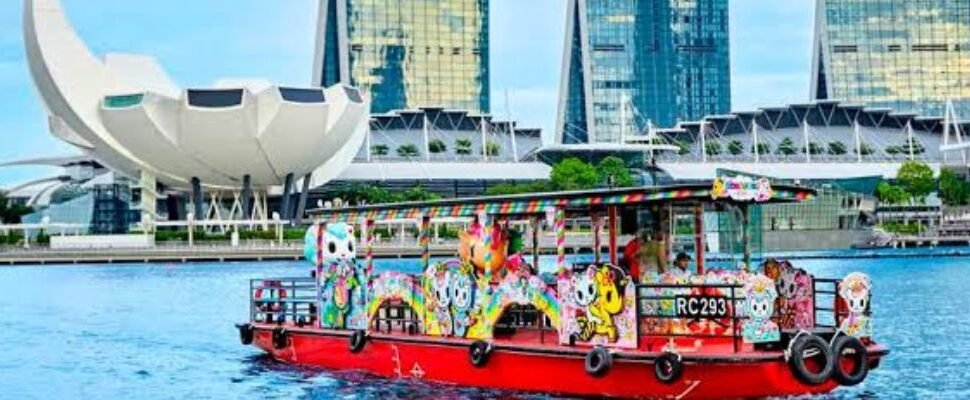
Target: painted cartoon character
440 298
795 303
600 294
855 291
718 190
764 191
463 299
759 294
326 244
340 290
472 248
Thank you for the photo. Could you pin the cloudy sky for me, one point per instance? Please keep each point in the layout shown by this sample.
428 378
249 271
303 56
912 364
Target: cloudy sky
199 42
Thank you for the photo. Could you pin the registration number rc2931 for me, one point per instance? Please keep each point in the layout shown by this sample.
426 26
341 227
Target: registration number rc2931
701 306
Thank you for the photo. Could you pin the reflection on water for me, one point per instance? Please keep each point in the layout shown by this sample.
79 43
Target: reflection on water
166 331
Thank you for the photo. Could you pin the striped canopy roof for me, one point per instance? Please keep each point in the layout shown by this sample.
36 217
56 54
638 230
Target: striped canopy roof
538 203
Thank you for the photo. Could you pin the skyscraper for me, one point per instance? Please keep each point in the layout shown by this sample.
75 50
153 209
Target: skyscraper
908 55
630 62
407 53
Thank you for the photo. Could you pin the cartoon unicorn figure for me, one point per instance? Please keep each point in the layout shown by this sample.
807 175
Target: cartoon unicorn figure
855 291
463 299
759 305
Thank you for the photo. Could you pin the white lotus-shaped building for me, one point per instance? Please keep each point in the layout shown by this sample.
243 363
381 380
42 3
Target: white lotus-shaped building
125 112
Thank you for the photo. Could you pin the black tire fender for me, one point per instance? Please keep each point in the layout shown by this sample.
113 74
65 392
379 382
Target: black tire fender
245 333
598 361
357 341
805 347
668 368
851 348
479 352
281 338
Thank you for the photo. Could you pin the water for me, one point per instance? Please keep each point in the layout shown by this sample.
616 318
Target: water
165 332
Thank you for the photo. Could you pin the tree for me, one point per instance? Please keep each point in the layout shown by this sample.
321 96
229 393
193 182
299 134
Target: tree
837 148
506 189
379 149
787 147
735 148
891 194
11 213
492 149
408 150
437 146
612 171
683 148
916 179
954 190
418 193
573 174
713 148
762 148
814 148
865 149
463 147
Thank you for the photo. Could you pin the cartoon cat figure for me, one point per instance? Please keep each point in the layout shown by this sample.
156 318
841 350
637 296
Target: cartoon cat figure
855 291
598 291
331 248
324 244
759 293
463 298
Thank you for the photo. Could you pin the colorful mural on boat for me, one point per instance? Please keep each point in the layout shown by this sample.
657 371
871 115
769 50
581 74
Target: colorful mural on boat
600 307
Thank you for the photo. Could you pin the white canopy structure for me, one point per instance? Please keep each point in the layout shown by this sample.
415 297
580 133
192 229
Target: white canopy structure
127 113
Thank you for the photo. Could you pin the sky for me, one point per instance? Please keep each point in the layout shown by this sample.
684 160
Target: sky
199 42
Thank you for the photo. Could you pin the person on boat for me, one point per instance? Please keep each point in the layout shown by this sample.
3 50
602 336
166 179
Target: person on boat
682 264
652 256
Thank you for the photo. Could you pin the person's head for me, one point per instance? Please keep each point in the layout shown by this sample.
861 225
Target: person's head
682 261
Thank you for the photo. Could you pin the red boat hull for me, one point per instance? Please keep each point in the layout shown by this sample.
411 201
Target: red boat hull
548 368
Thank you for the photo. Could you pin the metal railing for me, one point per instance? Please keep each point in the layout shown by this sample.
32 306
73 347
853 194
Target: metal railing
825 294
281 300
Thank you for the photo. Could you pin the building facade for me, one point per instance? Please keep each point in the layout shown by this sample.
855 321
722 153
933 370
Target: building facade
909 55
629 63
407 54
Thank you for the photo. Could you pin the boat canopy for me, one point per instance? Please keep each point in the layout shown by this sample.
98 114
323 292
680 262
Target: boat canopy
730 191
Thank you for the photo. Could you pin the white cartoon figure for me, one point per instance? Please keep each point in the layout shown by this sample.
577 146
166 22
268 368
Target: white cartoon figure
440 290
759 305
855 290
329 244
584 290
462 300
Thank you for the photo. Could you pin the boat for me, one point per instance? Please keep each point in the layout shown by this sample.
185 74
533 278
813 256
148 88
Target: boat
723 328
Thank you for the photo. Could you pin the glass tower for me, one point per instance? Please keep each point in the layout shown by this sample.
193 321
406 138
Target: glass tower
407 54
629 63
908 55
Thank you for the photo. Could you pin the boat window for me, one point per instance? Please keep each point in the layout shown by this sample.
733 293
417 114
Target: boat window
215 98
123 101
396 316
294 95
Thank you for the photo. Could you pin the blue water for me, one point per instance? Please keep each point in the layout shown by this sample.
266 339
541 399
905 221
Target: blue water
165 332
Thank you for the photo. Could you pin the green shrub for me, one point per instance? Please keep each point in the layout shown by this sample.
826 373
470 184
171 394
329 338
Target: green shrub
735 147
379 149
437 146
408 150
463 147
713 148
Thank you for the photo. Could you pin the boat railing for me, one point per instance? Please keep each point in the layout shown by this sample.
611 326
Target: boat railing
690 310
825 294
278 300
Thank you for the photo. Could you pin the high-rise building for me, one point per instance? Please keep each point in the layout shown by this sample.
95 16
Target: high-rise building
628 63
407 54
909 55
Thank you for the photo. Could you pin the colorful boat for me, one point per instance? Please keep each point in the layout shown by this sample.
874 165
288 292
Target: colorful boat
724 329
